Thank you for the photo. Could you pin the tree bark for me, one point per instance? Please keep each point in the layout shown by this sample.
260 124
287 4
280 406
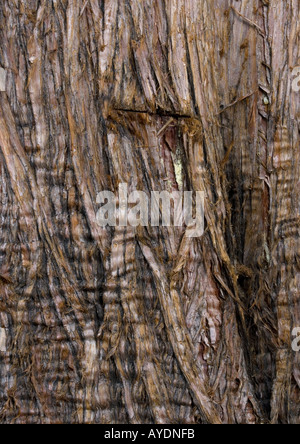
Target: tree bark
146 325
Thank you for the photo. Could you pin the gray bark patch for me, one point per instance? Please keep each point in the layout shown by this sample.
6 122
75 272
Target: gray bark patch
2 340
2 79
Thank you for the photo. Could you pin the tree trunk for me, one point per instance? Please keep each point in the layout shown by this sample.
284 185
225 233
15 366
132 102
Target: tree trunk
146 325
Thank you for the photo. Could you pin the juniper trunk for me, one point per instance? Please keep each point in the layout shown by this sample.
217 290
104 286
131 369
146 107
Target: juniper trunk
147 325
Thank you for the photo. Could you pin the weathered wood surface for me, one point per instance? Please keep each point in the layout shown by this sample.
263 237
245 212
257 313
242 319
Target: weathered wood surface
145 326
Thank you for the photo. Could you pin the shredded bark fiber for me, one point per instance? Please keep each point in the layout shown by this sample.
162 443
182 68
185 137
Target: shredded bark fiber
124 325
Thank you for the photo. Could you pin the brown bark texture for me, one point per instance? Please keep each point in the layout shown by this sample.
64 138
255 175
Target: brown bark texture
146 325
